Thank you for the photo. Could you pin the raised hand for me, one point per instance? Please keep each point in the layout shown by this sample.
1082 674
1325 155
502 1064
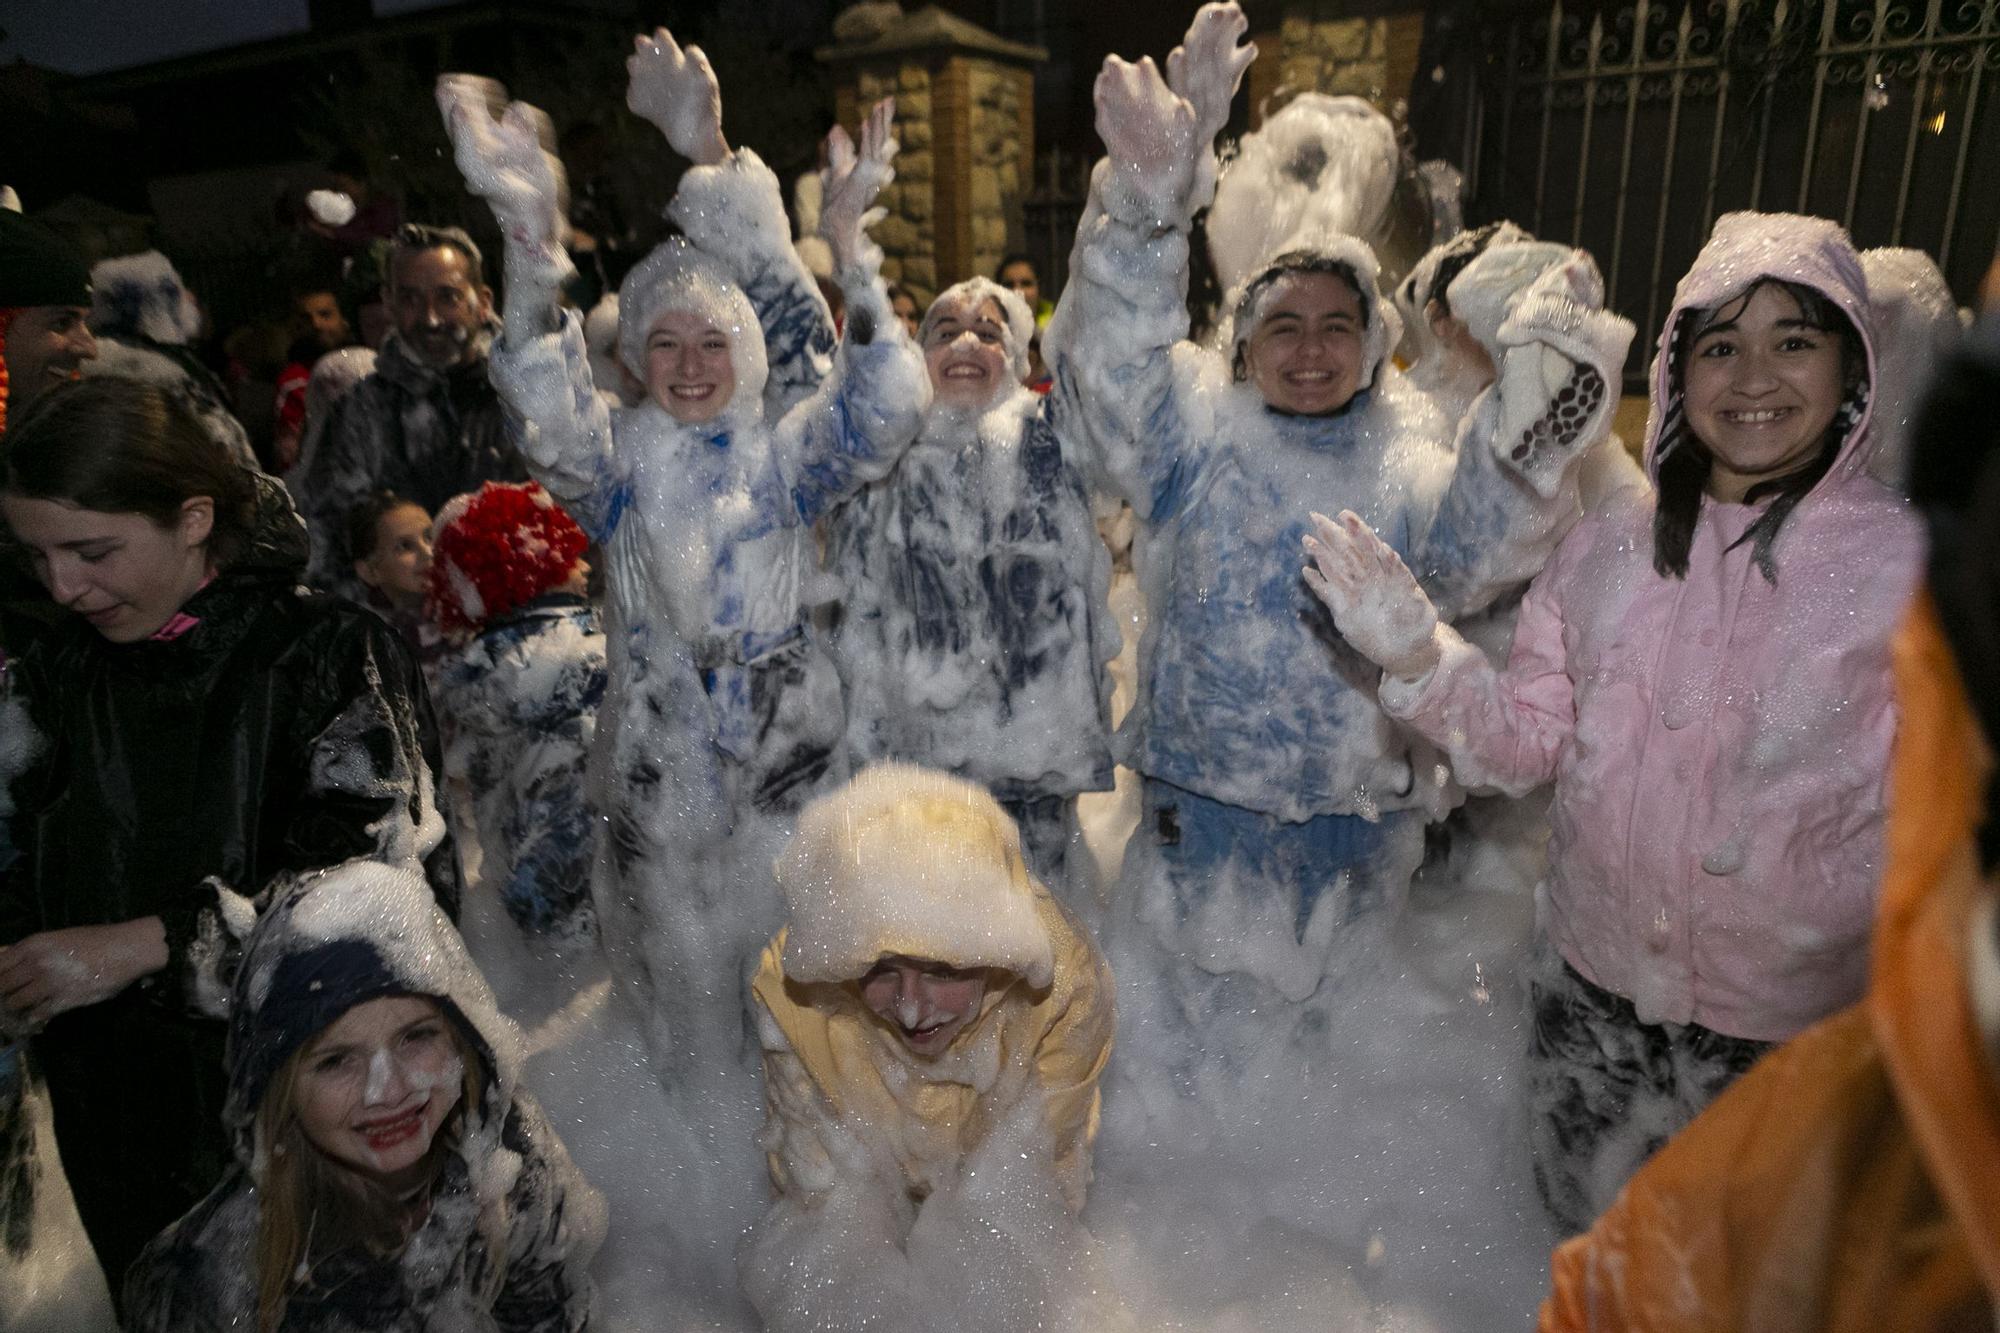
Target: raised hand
851 180
503 161
1377 604
1207 67
1150 132
675 89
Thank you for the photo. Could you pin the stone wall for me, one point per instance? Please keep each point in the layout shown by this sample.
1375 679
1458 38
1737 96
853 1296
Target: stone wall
906 235
1318 46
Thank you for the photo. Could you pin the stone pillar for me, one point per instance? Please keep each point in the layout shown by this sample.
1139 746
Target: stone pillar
1323 46
965 120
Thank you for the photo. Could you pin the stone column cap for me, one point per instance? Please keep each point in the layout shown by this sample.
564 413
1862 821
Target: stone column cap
934 29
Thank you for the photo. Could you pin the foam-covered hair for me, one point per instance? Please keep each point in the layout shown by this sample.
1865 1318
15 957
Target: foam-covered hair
143 296
1326 252
676 277
1322 164
1017 320
905 861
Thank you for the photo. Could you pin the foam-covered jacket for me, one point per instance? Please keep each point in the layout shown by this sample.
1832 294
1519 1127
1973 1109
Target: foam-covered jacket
511 1224
1846 1183
425 434
975 630
707 527
1719 743
518 704
1245 693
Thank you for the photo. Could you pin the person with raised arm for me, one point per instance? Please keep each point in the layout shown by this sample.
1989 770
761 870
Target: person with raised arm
1282 807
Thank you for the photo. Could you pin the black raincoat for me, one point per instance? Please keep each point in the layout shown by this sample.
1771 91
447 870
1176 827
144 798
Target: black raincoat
285 731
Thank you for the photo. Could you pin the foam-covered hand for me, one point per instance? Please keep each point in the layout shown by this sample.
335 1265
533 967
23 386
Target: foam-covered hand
1207 67
1559 352
674 87
1151 134
1377 604
849 184
503 160
54 971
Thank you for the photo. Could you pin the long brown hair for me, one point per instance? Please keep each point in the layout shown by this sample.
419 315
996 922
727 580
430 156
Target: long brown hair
311 1206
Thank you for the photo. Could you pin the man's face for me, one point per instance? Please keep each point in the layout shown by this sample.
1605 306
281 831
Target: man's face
1019 278
319 314
46 346
438 304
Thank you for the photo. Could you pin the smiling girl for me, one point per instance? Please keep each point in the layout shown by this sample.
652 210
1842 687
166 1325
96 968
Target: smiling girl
390 1174
973 586
1703 670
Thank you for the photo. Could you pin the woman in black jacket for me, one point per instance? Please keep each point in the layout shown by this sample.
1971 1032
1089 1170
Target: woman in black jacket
202 722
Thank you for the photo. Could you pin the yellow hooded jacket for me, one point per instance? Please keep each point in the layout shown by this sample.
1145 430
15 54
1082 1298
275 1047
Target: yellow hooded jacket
832 1068
1851 1181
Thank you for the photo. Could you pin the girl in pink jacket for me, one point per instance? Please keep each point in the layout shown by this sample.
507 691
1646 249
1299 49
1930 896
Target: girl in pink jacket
1703 670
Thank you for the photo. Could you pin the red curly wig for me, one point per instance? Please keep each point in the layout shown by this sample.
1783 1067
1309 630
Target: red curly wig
496 549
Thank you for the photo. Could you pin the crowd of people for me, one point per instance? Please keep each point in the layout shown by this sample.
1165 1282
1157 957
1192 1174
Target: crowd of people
591 614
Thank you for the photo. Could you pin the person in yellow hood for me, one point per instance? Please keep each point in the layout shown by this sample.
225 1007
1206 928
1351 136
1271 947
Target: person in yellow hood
1851 1181
926 989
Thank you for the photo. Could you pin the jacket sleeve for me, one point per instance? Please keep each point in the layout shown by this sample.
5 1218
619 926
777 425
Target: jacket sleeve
734 212
555 1223
1071 1062
797 1120
1513 491
1116 348
369 749
864 415
1501 730
560 422
22 746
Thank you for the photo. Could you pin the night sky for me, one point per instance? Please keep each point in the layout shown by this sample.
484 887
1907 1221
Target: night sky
87 36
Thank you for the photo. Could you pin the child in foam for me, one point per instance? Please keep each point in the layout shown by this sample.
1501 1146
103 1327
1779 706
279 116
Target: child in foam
390 1174
704 494
1280 803
1703 670
975 631
390 538
519 699
926 993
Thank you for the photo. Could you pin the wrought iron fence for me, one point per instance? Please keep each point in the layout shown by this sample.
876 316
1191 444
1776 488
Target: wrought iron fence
1628 127
1050 213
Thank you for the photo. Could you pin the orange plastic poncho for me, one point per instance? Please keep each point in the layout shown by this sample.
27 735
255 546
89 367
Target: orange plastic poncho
1851 1181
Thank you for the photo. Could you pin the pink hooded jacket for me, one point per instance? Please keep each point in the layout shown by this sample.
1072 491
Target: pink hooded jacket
1719 743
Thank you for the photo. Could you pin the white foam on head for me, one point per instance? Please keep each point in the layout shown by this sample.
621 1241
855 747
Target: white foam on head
677 278
1321 164
964 299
